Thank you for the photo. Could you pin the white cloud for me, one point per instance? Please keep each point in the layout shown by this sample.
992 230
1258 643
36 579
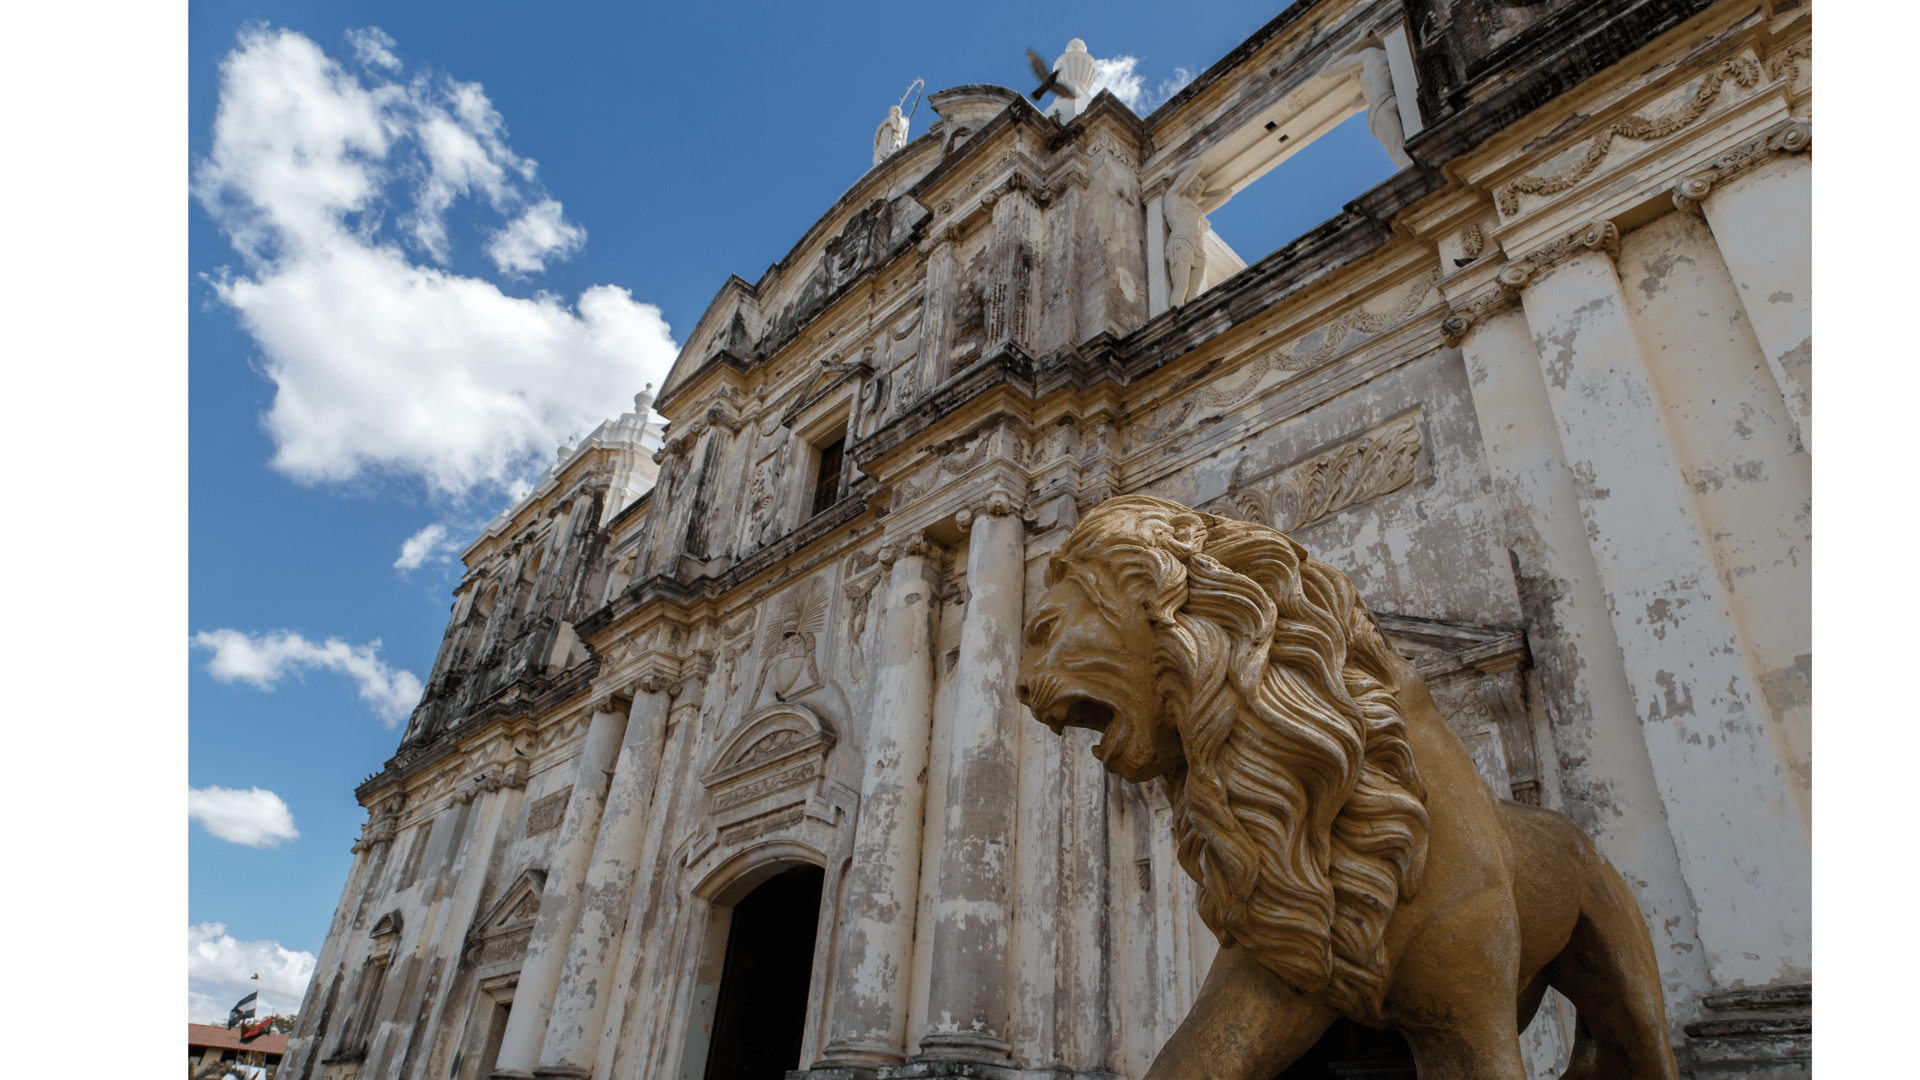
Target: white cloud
1172 85
262 661
1117 75
220 972
374 48
255 817
429 543
1120 74
524 246
382 364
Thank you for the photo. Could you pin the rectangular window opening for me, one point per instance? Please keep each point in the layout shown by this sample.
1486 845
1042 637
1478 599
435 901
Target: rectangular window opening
826 484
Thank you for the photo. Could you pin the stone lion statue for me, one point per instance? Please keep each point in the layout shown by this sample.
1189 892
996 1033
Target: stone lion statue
1348 856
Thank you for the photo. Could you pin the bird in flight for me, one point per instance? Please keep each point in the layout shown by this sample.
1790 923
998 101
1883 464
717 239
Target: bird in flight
1050 80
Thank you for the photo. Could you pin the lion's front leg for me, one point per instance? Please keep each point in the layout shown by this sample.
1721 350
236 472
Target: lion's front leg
1246 1025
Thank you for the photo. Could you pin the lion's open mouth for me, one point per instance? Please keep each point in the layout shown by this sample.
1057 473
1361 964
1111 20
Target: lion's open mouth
1088 713
1057 704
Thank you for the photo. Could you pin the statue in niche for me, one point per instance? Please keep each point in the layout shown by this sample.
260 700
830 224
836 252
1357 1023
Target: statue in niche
1187 204
1383 105
1348 856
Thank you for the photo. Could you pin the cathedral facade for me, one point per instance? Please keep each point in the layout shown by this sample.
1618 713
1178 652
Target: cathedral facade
720 771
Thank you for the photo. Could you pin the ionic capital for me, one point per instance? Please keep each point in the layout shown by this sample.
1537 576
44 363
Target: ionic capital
1463 317
1791 137
914 544
1598 235
998 503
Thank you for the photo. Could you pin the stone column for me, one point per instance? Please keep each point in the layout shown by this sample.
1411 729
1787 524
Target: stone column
560 903
1759 221
875 958
635 974
496 795
967 999
1744 851
1043 805
1608 786
573 1033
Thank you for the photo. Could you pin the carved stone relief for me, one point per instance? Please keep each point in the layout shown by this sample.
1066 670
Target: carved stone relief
500 935
789 647
860 244
546 812
769 775
859 600
1360 469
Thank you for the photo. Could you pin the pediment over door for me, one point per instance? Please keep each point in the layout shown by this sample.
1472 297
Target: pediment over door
1478 677
499 937
768 777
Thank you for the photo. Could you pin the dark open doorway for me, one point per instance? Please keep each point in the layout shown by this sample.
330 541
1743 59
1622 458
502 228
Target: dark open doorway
761 1012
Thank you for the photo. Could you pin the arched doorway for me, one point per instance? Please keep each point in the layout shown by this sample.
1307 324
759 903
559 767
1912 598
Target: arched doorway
759 1016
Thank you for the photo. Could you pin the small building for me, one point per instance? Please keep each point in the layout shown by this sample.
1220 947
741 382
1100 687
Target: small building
209 1043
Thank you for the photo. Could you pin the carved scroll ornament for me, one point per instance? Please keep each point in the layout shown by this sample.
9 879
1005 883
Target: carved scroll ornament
1376 463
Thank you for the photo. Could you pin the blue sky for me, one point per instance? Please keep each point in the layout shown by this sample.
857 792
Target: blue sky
428 242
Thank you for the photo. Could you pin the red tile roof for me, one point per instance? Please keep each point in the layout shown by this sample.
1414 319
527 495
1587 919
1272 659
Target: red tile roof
215 1035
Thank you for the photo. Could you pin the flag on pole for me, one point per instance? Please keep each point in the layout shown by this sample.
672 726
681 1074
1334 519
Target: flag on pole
248 1034
242 1010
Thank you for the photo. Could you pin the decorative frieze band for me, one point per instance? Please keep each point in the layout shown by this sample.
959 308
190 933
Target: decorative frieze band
1743 70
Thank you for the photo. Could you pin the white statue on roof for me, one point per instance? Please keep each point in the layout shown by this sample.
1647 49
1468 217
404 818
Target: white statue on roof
891 135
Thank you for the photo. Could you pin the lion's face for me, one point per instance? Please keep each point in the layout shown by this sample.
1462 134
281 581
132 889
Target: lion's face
1089 662
1223 652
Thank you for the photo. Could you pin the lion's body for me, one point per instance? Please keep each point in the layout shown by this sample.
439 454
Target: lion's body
1348 853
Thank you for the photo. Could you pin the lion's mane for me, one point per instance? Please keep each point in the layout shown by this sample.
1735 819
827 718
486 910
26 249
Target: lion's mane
1300 814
